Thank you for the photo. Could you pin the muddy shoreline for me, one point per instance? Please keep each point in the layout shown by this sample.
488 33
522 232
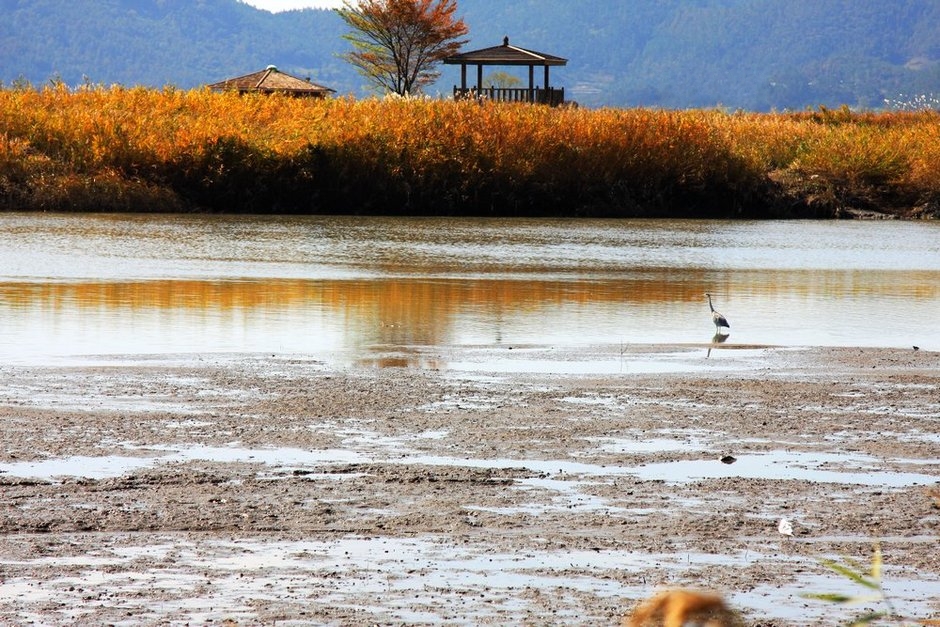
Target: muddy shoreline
260 489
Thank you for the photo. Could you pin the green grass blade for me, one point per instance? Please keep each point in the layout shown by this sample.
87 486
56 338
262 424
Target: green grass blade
868 619
831 598
842 599
856 566
851 574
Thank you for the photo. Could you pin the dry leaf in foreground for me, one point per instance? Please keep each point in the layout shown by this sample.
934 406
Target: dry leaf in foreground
675 608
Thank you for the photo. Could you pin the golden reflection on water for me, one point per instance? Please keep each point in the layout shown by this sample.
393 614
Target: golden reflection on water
402 312
390 298
390 311
134 284
403 298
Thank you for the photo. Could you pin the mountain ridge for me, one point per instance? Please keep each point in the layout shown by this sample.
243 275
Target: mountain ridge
738 54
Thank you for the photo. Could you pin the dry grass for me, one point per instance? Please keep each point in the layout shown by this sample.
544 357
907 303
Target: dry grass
156 150
679 608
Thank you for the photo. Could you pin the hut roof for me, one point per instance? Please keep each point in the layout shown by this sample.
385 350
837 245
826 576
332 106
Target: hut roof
271 79
504 55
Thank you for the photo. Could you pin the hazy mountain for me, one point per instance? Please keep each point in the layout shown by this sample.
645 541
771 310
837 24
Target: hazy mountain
753 54
158 42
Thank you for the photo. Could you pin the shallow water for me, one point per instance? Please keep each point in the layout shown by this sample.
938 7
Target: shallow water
356 289
425 579
415 580
834 468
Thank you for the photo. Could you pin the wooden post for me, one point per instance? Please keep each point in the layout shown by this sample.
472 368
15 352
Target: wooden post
531 83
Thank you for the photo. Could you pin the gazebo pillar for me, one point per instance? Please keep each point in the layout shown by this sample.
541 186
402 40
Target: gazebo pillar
463 76
533 91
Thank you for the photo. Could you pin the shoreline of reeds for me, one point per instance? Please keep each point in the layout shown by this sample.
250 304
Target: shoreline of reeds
143 150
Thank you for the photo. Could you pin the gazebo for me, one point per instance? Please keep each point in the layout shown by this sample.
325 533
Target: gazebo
271 80
507 55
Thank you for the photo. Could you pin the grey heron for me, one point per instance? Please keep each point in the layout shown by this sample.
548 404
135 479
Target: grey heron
717 318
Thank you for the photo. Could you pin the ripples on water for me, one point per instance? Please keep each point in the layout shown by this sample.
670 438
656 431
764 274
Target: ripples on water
93 284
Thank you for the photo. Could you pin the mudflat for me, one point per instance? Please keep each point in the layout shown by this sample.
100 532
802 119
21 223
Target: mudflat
479 485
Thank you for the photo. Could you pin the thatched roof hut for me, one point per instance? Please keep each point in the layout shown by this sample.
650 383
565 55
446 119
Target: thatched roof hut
271 80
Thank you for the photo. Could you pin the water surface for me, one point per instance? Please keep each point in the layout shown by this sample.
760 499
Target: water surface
345 288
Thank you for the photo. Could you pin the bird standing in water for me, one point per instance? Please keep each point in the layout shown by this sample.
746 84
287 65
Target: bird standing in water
717 318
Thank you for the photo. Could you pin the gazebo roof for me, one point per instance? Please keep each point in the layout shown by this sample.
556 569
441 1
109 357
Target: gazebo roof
505 55
271 79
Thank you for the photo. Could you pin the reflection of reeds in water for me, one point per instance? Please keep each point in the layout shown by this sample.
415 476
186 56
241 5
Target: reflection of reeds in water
401 310
381 312
395 311
397 298
417 294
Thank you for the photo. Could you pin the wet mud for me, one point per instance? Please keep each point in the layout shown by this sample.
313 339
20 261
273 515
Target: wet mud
262 490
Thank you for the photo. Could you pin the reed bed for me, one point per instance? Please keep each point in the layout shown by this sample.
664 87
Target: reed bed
137 149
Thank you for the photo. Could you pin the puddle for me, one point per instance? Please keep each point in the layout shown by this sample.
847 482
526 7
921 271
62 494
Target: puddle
94 393
688 361
271 457
78 466
921 437
414 580
570 496
598 367
471 403
790 465
605 401
909 593
849 469
109 466
654 445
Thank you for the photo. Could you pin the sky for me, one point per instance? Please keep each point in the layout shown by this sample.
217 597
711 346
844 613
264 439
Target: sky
285 5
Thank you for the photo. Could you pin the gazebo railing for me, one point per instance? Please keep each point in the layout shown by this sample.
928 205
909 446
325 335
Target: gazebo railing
553 96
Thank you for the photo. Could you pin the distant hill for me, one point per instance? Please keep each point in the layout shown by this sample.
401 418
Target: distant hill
159 42
749 54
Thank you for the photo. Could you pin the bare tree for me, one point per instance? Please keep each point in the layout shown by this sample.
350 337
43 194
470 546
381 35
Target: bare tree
398 43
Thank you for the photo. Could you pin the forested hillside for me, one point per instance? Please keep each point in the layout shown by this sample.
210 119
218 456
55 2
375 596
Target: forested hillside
750 54
185 43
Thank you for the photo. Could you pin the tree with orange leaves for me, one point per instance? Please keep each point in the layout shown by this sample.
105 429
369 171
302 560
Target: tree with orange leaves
398 43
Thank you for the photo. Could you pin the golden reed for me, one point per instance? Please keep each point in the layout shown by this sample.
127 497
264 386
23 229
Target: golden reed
139 149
